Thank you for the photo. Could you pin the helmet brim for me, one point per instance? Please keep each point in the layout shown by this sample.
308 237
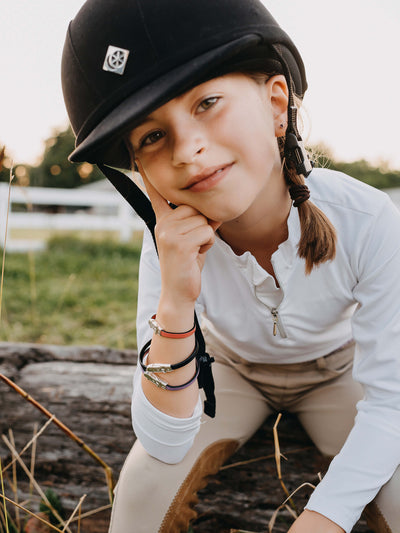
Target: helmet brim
105 141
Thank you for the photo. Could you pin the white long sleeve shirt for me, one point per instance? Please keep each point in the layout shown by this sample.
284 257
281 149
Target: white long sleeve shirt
355 295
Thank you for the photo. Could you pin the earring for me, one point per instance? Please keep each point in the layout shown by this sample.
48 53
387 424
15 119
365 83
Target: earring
280 130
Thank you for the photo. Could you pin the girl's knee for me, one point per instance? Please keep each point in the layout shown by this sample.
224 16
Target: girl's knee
383 514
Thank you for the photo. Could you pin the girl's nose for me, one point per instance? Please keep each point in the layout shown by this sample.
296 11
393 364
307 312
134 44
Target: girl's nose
189 143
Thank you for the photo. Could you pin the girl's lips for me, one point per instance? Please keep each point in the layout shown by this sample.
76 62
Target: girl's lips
209 178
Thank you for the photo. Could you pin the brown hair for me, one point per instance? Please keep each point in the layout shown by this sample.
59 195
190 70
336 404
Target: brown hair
318 236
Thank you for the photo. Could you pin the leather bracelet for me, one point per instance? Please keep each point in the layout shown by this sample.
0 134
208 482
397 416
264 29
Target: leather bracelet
162 368
150 370
169 334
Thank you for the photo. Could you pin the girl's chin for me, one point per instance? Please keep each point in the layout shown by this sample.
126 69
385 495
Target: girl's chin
219 210
230 208
224 216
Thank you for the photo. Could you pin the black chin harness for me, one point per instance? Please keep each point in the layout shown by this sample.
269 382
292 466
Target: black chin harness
142 206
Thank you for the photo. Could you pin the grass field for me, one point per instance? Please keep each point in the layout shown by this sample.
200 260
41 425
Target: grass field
75 292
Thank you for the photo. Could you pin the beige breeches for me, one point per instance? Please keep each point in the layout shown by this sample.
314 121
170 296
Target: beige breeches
154 497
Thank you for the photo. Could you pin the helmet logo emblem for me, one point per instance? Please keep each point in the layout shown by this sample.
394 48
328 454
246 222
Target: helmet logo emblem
115 60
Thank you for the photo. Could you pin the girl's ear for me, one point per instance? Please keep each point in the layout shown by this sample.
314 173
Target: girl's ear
279 98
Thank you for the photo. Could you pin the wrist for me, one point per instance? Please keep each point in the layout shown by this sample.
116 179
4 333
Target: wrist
174 316
158 329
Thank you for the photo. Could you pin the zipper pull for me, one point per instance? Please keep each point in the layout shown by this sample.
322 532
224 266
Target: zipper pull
277 325
274 313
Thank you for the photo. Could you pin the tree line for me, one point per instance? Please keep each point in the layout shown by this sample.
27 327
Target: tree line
54 169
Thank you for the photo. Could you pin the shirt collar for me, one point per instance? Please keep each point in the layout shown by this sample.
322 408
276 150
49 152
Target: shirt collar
282 259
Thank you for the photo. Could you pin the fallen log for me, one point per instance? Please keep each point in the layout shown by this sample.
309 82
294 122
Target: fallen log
88 389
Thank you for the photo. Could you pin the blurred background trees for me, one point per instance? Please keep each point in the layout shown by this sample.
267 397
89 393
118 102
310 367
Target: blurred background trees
54 169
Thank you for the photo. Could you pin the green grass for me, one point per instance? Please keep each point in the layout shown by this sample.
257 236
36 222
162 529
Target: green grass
75 292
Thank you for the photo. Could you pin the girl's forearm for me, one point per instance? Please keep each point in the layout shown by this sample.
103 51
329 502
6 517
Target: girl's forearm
173 317
312 522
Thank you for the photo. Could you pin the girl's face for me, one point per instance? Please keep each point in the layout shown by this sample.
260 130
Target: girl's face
214 148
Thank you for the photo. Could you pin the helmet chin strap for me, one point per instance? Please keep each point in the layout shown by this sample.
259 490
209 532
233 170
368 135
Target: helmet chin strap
294 147
142 205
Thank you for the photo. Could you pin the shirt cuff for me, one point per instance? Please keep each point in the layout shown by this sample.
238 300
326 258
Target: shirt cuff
164 437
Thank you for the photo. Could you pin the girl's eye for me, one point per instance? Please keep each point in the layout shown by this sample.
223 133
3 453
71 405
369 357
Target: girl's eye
207 103
152 138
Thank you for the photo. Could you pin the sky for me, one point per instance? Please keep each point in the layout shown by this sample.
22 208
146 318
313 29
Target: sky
350 49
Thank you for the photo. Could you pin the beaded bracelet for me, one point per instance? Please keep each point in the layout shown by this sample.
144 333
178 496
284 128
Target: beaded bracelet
150 370
169 334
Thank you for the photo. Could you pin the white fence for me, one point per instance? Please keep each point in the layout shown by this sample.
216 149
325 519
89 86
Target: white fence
395 196
93 215
99 211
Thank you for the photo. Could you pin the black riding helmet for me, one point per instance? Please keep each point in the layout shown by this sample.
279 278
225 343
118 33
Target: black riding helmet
124 58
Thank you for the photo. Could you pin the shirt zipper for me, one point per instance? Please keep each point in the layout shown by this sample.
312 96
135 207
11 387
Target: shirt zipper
277 324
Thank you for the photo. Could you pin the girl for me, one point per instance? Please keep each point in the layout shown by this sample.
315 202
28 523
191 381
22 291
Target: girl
290 282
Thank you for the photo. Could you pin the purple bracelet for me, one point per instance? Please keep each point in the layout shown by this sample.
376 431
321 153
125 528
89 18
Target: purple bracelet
161 383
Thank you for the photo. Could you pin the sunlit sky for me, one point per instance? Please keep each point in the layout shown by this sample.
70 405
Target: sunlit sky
350 48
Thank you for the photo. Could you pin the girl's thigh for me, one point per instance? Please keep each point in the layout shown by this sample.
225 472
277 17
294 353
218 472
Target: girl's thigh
327 412
153 496
383 513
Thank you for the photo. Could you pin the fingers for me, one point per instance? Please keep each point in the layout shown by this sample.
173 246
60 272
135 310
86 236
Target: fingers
160 204
186 223
179 228
209 243
214 224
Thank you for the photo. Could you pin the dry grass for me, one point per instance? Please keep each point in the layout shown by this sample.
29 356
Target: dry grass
2 155
14 514
288 504
66 430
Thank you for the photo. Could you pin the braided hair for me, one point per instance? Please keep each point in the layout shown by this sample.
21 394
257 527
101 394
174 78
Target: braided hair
318 236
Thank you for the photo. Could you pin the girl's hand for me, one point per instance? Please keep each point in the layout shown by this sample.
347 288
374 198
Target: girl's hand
183 237
312 522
